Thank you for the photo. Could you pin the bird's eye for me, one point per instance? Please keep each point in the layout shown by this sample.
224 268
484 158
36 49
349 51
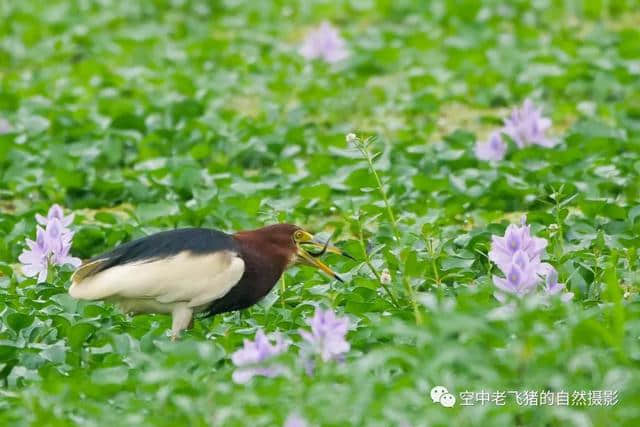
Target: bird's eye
298 235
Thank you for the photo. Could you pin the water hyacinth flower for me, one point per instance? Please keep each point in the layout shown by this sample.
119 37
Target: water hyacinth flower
59 241
515 239
327 336
521 276
527 126
5 126
253 358
518 255
295 420
324 43
494 149
35 260
51 247
55 212
552 287
57 234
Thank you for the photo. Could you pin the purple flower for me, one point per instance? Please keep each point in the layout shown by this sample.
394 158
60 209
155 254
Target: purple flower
552 287
252 359
5 126
327 335
55 233
324 43
55 212
493 149
295 420
521 276
35 260
51 247
515 239
58 240
527 126
518 255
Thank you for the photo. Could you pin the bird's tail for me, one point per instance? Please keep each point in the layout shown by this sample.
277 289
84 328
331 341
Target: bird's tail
81 281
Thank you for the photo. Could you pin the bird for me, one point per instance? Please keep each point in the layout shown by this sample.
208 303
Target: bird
189 271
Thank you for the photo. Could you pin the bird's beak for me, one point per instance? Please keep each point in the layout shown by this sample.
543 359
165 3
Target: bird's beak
308 243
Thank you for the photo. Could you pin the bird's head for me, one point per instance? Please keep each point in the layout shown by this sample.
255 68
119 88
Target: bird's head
298 245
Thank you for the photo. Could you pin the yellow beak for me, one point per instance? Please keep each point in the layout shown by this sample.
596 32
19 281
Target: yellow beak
308 241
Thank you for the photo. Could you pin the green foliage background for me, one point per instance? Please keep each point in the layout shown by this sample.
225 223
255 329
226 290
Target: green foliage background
141 116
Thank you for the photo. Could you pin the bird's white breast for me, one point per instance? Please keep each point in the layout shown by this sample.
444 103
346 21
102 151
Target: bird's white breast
184 278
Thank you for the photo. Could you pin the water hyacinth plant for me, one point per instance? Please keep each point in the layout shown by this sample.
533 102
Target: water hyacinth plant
35 260
326 340
525 126
552 287
52 245
295 420
517 239
5 126
518 255
324 43
56 213
327 336
254 358
493 149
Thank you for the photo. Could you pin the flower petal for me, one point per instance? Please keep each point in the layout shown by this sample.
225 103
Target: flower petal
503 285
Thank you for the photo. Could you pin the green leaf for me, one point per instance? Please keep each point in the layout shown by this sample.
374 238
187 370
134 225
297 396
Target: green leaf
19 321
148 212
451 263
413 267
113 375
79 333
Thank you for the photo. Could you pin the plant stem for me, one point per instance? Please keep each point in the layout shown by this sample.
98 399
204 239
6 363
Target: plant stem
414 305
436 275
392 218
560 231
363 146
367 260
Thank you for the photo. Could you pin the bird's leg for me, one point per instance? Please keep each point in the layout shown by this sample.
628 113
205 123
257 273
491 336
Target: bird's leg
181 317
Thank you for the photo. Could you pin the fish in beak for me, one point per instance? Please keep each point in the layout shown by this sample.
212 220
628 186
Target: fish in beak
309 250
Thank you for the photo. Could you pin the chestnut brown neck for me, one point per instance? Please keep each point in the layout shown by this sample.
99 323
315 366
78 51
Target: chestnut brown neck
266 249
266 253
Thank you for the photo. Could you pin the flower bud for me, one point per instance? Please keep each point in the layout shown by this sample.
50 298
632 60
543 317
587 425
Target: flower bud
385 277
